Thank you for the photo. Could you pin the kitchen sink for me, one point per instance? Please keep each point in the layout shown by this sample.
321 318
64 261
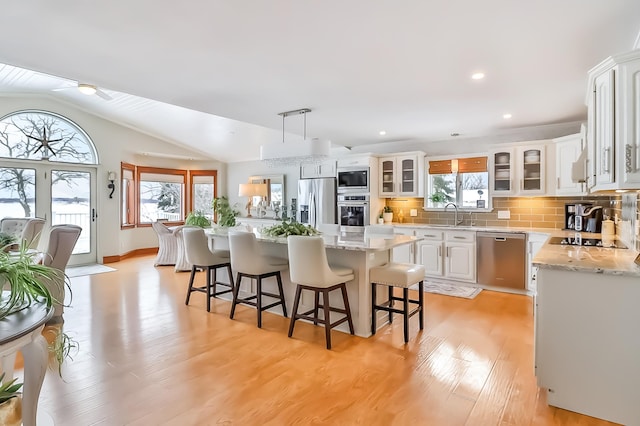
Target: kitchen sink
586 242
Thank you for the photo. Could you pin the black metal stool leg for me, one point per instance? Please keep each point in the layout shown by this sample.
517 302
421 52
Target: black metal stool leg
284 305
208 288
390 303
259 301
236 289
316 307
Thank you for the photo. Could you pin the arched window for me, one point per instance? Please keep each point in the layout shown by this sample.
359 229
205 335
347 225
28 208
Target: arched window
41 135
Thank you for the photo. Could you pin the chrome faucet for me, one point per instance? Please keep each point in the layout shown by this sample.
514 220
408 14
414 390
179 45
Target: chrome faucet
455 217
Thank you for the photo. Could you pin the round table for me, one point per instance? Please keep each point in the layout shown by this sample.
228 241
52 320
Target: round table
22 331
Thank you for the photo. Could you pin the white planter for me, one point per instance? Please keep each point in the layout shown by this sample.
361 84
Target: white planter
387 217
380 221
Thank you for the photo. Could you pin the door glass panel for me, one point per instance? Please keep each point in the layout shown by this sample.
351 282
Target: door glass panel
71 204
502 171
407 175
17 192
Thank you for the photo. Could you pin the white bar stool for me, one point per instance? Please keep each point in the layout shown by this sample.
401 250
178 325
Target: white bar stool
402 275
310 270
198 256
247 261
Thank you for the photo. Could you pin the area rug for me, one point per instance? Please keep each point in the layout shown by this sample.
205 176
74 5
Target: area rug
78 271
451 289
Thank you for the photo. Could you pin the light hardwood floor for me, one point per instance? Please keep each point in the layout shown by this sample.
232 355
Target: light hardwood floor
147 359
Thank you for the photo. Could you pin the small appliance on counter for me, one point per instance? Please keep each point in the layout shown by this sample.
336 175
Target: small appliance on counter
583 217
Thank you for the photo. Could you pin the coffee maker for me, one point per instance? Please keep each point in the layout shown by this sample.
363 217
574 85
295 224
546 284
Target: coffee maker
583 217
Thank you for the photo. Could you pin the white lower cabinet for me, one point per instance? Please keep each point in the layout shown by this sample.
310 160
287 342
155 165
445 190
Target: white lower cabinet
535 241
448 254
404 253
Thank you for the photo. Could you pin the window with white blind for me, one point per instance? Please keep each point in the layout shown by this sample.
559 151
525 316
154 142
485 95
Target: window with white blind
203 191
463 181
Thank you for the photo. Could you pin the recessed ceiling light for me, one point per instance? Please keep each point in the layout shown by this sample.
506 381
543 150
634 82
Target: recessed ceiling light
87 89
382 133
454 134
506 116
477 76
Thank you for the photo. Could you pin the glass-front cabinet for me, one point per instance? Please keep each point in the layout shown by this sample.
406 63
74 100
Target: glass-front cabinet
518 170
502 172
400 176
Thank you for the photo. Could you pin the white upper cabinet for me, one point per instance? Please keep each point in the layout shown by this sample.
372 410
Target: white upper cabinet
567 151
325 169
613 102
401 175
518 170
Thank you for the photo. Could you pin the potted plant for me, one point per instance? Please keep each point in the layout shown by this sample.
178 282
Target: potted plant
224 212
24 278
7 242
10 402
437 198
197 218
387 214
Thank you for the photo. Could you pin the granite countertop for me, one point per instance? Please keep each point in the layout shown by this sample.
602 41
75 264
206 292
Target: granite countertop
474 228
355 242
598 260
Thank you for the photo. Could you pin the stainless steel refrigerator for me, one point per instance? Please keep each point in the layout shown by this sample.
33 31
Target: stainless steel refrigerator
316 201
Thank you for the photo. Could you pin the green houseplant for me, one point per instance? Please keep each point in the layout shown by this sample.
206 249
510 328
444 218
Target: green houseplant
387 214
197 218
437 198
225 213
24 278
7 242
10 403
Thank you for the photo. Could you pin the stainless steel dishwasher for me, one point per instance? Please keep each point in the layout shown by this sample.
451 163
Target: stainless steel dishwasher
502 259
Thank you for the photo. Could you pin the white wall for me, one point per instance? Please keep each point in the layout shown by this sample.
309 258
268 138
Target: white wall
116 143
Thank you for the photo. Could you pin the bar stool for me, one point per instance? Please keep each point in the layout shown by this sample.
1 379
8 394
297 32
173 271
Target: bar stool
247 261
402 275
310 270
199 256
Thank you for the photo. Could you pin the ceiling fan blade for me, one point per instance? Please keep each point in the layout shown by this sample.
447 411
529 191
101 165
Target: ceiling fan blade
60 89
103 95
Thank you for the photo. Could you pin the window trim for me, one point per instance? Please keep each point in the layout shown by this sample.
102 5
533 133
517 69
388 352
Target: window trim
131 196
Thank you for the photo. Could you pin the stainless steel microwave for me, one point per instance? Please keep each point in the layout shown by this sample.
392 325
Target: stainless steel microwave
353 179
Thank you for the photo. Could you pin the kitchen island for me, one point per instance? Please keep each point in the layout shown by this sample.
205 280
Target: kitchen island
349 250
587 344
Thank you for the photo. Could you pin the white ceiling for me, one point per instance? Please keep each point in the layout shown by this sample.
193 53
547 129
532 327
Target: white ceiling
223 70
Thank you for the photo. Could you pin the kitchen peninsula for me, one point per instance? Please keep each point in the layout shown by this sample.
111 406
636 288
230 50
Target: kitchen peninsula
349 250
587 345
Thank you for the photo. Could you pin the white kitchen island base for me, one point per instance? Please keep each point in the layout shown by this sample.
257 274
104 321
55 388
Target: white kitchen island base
587 350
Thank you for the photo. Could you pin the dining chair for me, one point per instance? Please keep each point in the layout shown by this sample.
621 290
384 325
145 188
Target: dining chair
199 256
249 262
59 247
310 270
167 245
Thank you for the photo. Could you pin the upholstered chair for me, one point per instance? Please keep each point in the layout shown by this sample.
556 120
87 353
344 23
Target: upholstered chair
27 229
248 262
199 256
310 270
59 246
167 245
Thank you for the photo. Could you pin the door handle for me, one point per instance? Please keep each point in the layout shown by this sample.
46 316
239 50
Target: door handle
94 215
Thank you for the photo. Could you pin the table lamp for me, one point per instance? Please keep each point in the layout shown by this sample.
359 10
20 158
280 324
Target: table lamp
252 190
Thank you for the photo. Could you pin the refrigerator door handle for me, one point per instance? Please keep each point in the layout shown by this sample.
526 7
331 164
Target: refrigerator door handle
312 210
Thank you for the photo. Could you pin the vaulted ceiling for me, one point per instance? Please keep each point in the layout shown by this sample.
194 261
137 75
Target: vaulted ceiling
214 75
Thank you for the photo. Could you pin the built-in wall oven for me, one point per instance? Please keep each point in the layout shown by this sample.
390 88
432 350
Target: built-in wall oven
353 212
353 179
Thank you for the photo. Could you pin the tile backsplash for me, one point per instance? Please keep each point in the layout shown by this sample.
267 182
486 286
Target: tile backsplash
525 212
629 226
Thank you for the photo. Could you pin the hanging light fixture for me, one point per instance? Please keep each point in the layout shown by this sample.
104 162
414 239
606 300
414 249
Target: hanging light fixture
294 153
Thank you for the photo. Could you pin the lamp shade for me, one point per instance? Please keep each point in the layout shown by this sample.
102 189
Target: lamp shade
308 148
252 190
